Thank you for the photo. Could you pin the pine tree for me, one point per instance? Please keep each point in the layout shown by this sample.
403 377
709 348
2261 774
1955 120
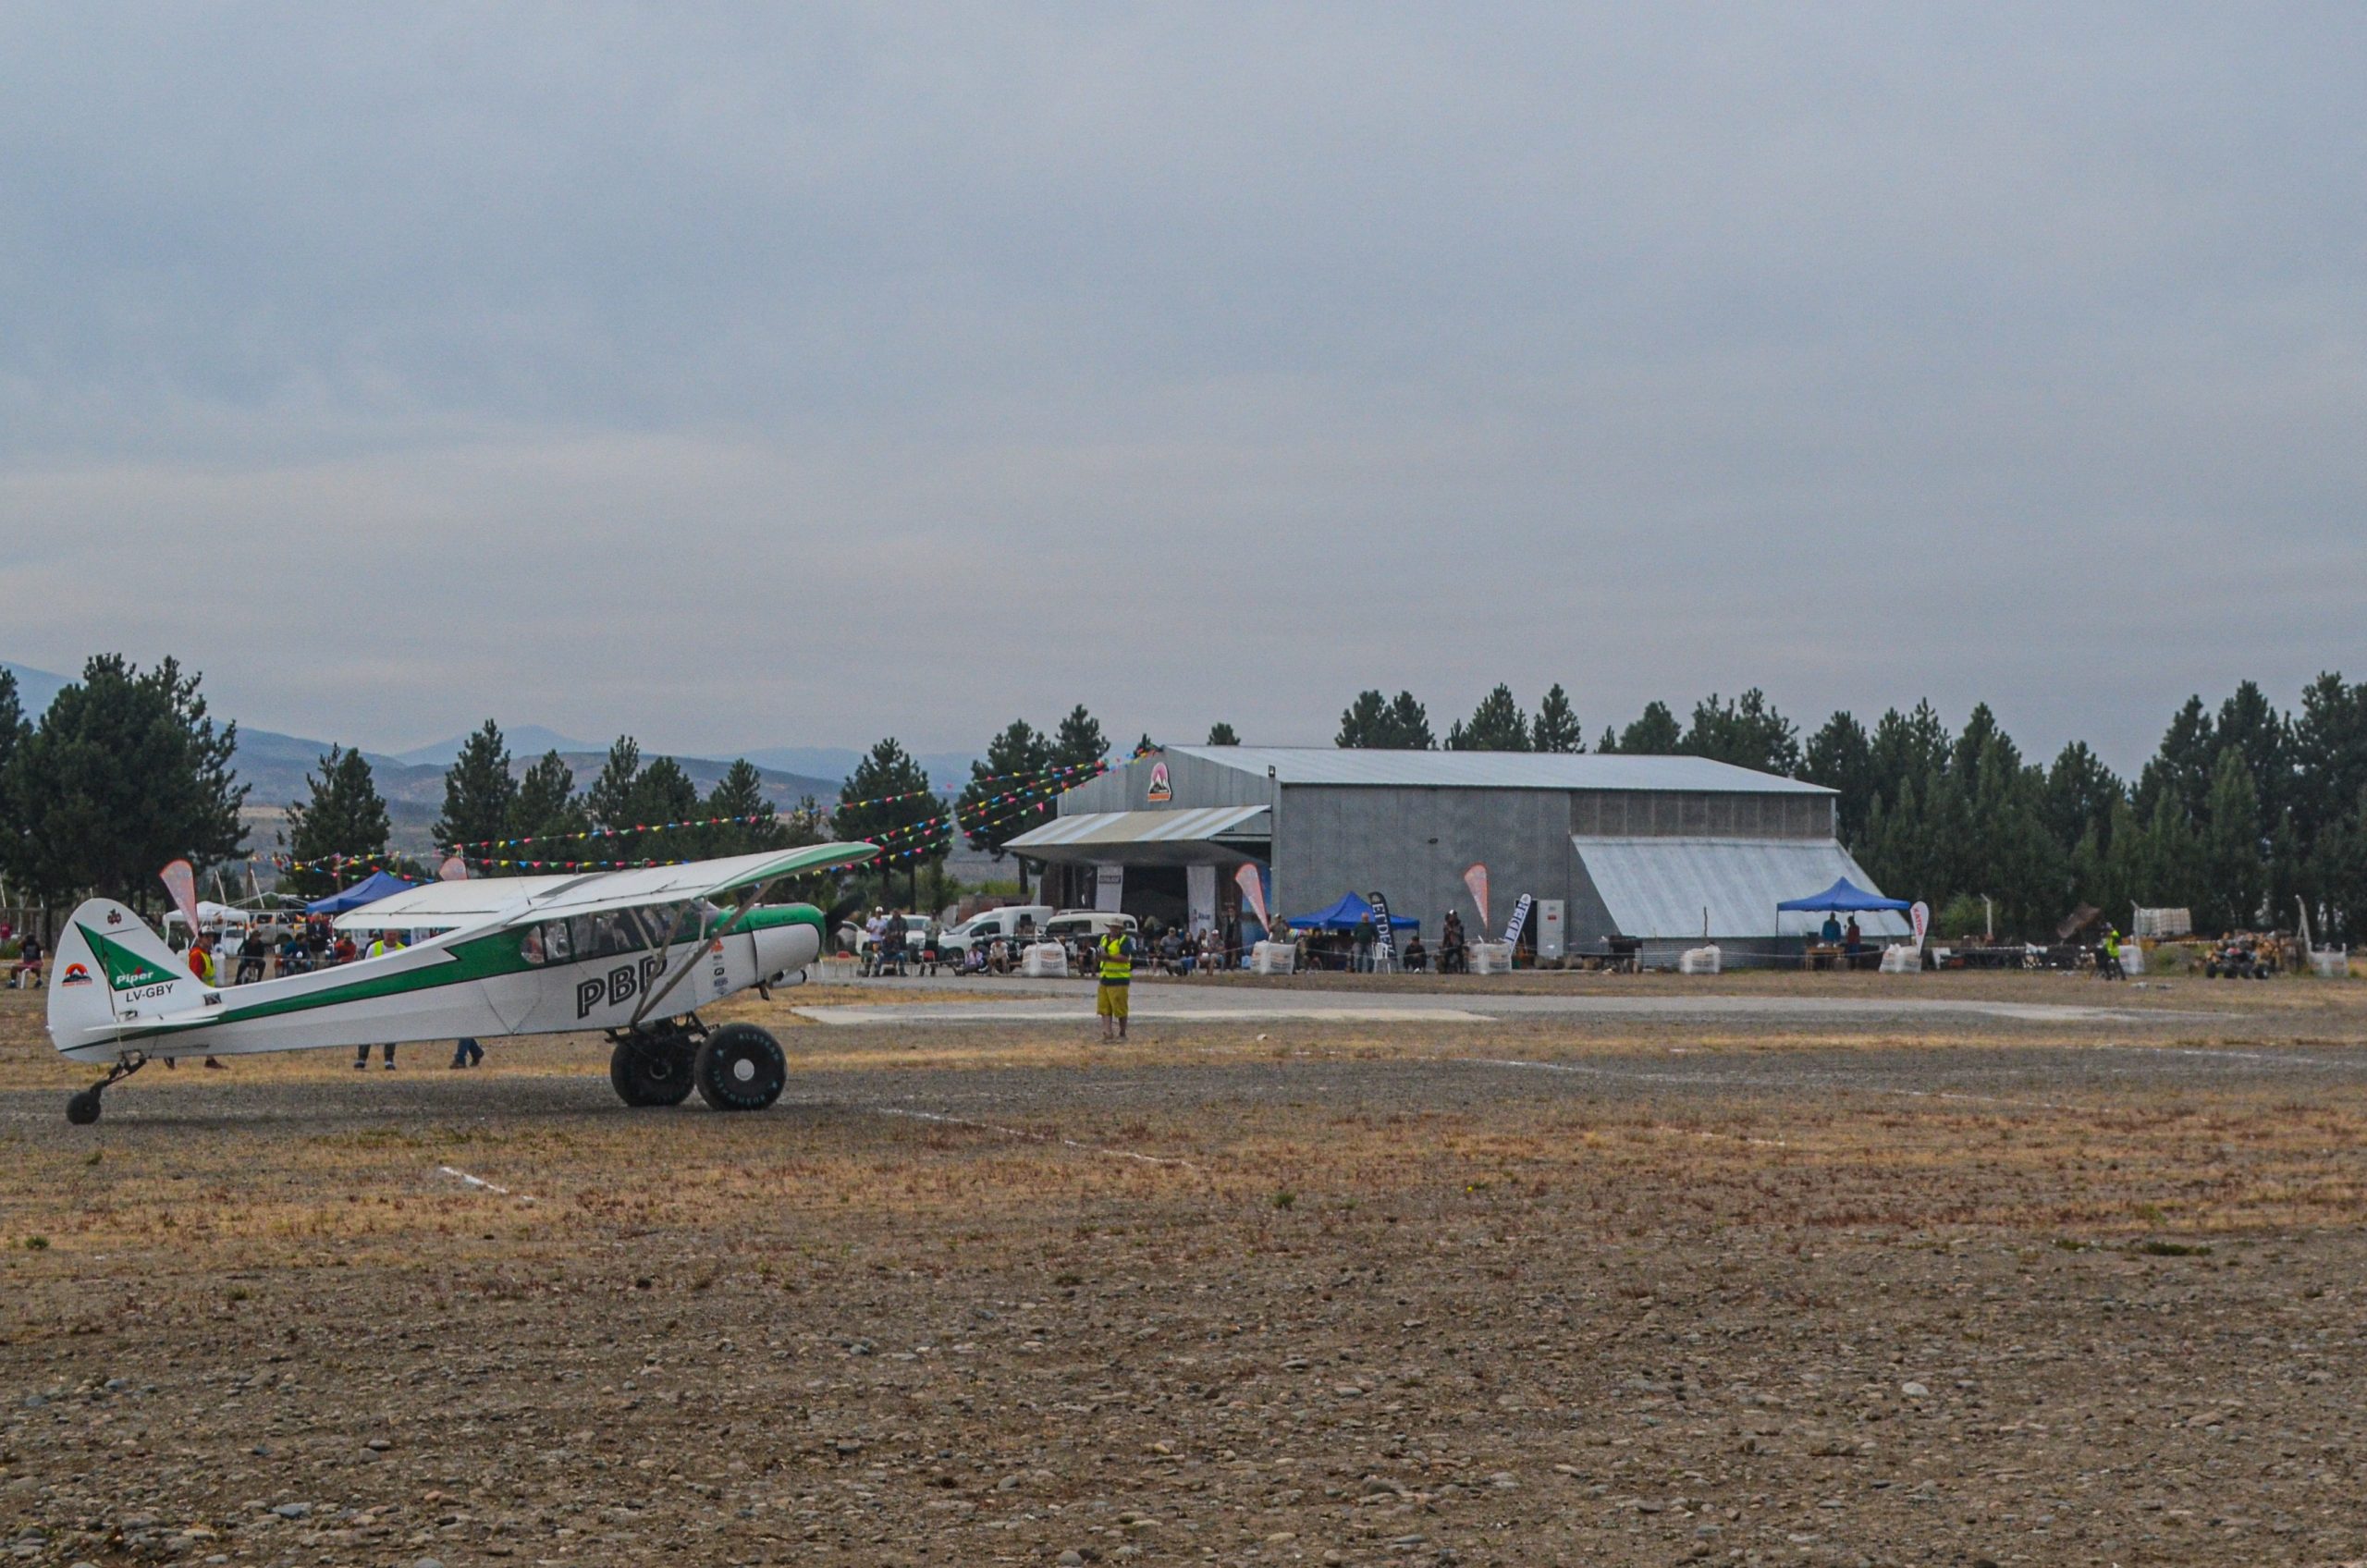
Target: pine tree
2182 765
1496 724
2080 793
1747 732
1841 757
546 811
2232 861
14 733
1555 727
479 793
124 772
1362 722
609 799
1017 760
1221 734
1078 743
886 801
1409 725
1655 734
344 819
746 820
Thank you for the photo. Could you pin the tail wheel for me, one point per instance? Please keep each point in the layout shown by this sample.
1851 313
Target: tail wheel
654 1069
741 1068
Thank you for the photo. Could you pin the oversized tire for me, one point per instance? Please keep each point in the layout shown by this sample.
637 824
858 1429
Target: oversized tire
82 1107
740 1067
650 1069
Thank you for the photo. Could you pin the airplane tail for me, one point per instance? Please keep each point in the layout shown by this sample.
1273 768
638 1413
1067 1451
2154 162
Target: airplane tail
110 968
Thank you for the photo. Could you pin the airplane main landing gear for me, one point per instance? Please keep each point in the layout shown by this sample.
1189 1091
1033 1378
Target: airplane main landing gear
652 1066
741 1068
82 1107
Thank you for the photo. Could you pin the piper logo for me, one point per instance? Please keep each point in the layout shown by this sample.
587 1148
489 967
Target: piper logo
76 974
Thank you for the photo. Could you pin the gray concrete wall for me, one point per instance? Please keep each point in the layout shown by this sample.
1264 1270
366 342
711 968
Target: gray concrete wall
1413 844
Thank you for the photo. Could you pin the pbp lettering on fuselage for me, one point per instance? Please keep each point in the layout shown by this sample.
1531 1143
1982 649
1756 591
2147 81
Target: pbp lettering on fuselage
617 986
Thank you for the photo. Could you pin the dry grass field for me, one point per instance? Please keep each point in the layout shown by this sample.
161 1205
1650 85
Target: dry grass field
1930 1287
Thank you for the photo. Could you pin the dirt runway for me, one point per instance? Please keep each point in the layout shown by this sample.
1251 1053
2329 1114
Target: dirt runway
1549 1285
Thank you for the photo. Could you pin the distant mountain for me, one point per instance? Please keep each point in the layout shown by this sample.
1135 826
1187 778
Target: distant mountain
35 688
527 739
948 771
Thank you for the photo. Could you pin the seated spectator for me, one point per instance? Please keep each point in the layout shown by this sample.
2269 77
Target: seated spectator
1417 957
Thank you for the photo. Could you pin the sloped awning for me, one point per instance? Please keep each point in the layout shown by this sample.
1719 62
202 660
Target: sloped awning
1660 887
1204 835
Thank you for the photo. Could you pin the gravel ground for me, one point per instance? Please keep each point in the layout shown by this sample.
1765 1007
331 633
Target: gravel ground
1557 1287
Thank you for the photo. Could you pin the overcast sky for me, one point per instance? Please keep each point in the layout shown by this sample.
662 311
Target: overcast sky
755 376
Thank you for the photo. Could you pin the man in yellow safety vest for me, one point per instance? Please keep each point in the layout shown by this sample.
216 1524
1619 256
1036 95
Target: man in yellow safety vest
1117 953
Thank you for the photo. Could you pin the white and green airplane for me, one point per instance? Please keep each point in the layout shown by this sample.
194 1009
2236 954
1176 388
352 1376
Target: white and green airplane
632 953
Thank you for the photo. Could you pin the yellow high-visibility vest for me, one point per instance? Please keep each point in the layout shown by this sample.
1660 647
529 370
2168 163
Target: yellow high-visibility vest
1117 965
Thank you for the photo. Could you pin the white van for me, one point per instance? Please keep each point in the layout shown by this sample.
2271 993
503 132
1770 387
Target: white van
1092 925
983 927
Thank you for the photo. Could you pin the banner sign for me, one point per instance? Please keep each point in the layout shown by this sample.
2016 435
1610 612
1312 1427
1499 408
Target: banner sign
180 880
1384 939
1161 787
1476 878
1254 891
1520 918
1109 886
1920 917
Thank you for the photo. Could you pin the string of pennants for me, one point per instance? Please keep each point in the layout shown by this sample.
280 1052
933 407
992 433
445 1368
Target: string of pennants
905 841
1037 788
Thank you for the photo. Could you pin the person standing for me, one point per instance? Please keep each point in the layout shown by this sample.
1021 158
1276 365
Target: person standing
1117 954
385 943
2108 957
466 1052
1362 944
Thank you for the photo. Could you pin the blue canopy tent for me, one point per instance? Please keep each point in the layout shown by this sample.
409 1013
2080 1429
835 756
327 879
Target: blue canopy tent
1345 915
1845 896
369 890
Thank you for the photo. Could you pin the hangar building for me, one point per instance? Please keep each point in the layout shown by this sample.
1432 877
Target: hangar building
1652 848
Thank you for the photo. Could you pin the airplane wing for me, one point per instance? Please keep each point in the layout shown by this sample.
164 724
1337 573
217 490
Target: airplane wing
443 906
602 891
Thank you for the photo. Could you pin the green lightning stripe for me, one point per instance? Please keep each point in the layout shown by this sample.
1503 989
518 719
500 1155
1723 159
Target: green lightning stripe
481 958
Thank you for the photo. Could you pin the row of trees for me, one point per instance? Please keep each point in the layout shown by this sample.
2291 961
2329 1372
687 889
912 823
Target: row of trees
488 802
2241 812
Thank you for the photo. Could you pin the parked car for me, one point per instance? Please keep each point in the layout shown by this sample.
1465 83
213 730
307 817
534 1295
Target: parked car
983 927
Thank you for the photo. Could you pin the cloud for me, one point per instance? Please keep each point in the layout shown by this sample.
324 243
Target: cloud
762 375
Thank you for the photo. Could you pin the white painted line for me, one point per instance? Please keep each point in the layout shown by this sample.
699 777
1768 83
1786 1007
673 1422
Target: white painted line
480 1181
1031 1137
1082 1012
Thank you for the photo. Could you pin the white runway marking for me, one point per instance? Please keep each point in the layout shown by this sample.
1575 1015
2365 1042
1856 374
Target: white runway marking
1031 1137
480 1181
1081 1012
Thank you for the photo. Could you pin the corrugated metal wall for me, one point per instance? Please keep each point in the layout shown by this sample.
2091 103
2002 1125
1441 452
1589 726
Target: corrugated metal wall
1413 844
1195 782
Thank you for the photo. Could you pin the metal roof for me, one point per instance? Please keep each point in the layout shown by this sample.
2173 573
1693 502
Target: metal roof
1658 887
1496 770
1112 828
